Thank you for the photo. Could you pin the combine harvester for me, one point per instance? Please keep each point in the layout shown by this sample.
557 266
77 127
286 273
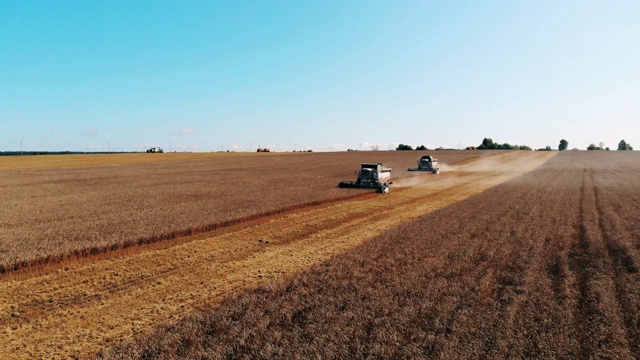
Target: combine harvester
427 163
370 176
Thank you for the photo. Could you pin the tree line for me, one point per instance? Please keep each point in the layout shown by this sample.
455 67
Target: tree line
409 147
622 145
489 144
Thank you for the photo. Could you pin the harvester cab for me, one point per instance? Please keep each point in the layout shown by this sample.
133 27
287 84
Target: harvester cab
427 163
370 176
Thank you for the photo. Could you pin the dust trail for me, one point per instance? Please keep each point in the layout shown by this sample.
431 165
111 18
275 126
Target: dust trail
425 178
419 178
485 164
447 167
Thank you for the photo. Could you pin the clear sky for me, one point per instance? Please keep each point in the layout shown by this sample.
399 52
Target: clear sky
321 75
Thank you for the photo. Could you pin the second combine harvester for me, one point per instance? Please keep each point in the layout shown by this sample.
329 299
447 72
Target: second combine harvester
427 163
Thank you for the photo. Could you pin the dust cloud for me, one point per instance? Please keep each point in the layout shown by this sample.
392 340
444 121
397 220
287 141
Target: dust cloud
422 178
419 178
445 167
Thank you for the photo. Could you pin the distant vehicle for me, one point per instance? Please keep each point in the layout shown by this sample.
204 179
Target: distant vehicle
370 176
427 163
155 150
264 150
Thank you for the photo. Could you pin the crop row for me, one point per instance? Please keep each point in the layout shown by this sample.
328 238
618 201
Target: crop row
542 266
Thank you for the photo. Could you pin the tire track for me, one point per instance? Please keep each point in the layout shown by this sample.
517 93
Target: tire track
621 264
596 305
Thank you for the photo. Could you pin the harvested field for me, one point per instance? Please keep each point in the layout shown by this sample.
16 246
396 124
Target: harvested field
88 306
75 205
542 266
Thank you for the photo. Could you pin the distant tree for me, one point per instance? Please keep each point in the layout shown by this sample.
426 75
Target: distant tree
623 145
422 147
470 148
564 144
601 145
404 147
592 146
487 144
524 147
375 147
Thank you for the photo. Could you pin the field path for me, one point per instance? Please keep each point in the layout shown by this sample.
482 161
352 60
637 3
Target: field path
85 306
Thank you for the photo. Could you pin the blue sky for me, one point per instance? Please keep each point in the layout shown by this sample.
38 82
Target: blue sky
321 75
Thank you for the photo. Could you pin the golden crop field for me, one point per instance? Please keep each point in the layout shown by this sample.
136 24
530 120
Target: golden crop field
61 206
507 254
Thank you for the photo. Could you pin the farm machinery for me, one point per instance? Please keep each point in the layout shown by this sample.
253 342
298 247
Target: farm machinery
427 163
370 176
